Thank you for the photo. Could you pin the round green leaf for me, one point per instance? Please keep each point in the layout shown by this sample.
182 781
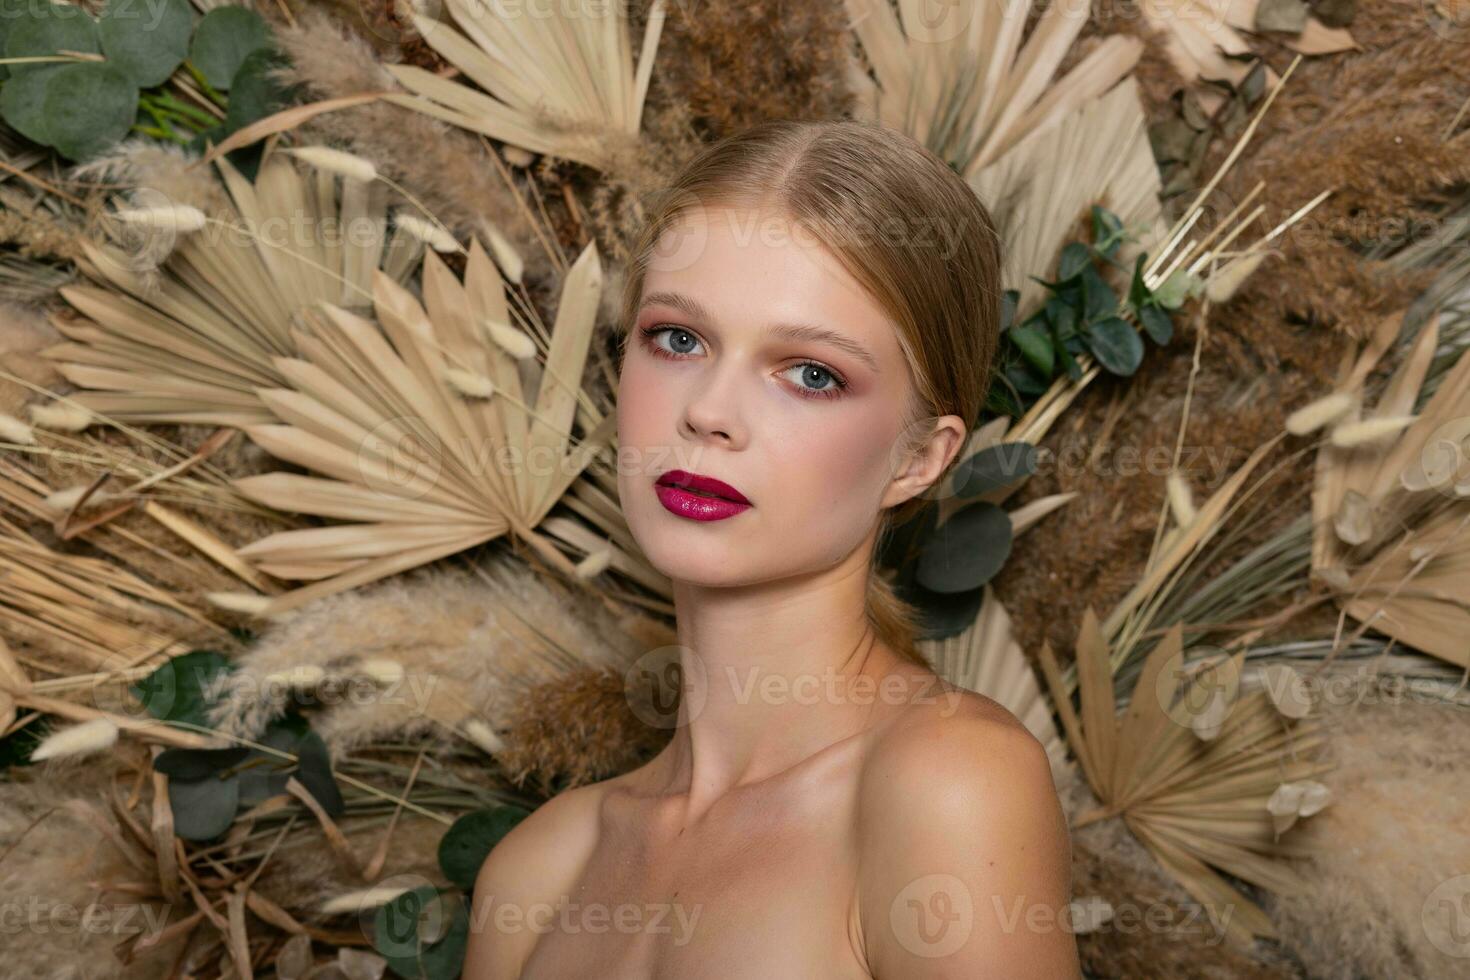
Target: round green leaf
1116 345
264 773
315 774
942 615
89 107
203 808
466 844
224 37
967 550
1157 322
400 927
1035 345
175 691
45 29
146 39
995 467
192 764
22 103
1075 258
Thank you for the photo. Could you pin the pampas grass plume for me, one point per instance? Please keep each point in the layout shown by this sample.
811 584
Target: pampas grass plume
173 217
512 341
64 416
13 429
84 739
1223 284
470 384
362 898
506 256
339 162
381 670
62 501
425 231
594 564
1352 434
482 735
300 677
244 602
1323 411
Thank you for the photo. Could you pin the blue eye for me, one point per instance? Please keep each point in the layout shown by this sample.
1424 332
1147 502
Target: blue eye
680 341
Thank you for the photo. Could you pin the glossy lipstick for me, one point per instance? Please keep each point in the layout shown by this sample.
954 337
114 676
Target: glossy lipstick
699 498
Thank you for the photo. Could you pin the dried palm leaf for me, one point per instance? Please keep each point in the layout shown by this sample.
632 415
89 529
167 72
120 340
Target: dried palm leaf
424 468
966 86
193 339
1038 191
1199 805
1391 516
561 81
1203 41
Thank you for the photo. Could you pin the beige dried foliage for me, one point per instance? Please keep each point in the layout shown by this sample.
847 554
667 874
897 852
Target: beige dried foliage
190 340
1391 517
965 85
564 81
1199 805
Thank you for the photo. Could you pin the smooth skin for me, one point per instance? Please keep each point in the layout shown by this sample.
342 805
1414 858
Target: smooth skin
824 809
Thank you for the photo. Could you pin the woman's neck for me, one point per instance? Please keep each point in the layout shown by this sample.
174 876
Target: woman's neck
772 674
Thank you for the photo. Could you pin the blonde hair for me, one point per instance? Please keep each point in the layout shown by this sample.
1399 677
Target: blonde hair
888 210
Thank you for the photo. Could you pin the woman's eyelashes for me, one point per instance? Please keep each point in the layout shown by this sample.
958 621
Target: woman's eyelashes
830 383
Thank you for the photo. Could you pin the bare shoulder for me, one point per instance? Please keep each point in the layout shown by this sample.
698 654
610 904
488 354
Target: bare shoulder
964 851
537 862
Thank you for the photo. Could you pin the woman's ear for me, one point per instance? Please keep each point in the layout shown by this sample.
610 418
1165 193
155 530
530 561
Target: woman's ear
920 468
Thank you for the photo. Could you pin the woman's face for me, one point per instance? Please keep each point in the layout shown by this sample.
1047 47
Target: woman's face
718 381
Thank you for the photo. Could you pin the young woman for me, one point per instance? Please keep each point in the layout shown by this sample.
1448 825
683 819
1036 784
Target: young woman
811 315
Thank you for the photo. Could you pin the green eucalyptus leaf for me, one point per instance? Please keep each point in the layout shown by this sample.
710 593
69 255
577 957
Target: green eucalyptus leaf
1075 258
900 541
1116 345
193 764
146 39
203 808
1138 290
943 615
264 774
316 774
224 38
967 550
89 106
41 29
1157 322
1025 380
994 468
1107 230
1035 345
22 103
466 844
175 691
1101 301
400 925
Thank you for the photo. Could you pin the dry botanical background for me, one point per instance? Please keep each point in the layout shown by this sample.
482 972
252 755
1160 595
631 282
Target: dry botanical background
281 659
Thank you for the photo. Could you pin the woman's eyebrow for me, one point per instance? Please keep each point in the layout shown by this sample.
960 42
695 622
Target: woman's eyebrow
803 332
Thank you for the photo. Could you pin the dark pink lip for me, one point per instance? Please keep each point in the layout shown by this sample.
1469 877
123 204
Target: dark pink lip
674 492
